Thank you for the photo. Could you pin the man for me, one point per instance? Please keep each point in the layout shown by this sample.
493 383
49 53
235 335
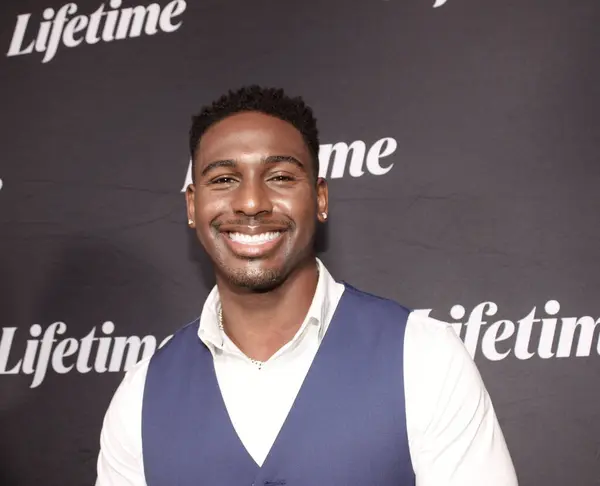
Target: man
289 377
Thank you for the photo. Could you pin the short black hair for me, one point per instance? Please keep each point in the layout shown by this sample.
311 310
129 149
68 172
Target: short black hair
270 101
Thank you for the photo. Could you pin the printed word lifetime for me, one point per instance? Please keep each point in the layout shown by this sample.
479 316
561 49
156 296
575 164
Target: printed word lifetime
545 336
97 351
106 24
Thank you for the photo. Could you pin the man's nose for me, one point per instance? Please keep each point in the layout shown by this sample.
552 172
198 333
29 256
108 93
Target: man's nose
252 198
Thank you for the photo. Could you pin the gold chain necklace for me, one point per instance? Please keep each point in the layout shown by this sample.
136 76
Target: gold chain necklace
258 364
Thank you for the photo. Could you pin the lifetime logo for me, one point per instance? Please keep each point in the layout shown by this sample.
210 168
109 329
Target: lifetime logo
61 27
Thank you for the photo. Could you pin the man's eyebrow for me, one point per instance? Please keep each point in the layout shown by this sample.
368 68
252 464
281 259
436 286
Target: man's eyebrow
271 159
218 163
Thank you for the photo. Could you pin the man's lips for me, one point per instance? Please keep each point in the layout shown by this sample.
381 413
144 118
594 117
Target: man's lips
252 241
251 229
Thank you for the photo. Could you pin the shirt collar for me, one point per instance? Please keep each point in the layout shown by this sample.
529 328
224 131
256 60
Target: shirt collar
318 312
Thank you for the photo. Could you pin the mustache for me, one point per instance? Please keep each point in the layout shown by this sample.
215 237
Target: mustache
253 221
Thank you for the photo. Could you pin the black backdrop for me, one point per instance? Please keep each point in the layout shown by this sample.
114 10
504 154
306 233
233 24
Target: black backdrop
487 117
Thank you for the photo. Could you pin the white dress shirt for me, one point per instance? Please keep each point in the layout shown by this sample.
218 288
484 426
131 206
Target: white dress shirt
453 434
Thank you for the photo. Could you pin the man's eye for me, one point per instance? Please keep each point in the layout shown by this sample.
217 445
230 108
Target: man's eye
222 180
281 178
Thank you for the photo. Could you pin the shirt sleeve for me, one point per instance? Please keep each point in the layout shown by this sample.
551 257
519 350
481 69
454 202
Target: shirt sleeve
454 434
120 461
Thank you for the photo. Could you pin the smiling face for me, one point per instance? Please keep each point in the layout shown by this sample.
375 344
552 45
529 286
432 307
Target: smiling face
256 201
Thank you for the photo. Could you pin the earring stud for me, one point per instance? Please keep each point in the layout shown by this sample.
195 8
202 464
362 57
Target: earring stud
324 215
190 222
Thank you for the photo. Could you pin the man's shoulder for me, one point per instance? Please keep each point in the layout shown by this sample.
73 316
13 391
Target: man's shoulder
135 376
420 325
429 328
364 298
434 343
185 334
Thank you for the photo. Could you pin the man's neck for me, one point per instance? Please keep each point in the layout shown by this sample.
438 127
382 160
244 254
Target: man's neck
260 323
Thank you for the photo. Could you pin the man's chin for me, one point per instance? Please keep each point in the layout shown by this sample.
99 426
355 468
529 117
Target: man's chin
255 279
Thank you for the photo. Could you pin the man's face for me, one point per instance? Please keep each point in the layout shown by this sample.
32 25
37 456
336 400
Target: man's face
255 203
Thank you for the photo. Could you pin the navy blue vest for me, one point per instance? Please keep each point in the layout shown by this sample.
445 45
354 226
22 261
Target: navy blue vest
347 426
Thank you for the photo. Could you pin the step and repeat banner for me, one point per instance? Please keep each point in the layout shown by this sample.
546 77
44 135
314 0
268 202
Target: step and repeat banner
461 140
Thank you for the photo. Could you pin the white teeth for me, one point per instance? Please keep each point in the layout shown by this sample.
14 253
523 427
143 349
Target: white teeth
254 239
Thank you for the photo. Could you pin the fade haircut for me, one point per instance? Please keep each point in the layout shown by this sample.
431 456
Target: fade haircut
270 101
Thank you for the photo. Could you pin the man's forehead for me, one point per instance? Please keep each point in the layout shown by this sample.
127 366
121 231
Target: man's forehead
251 124
251 139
